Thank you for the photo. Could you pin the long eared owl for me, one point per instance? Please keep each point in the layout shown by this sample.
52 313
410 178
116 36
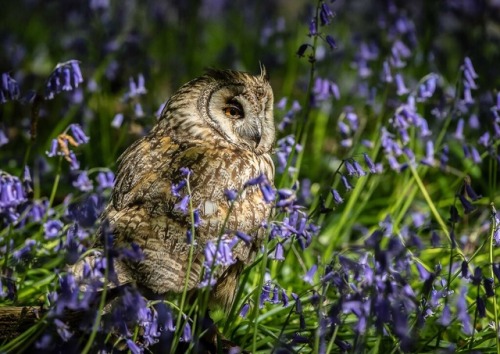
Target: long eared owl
221 127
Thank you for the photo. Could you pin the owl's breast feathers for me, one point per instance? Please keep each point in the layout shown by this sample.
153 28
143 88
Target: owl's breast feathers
142 208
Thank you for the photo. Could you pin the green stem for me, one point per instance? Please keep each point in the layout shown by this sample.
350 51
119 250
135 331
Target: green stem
432 207
188 271
102 301
55 185
258 293
494 227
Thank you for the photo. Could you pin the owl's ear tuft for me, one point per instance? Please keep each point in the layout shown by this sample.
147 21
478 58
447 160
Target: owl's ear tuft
263 72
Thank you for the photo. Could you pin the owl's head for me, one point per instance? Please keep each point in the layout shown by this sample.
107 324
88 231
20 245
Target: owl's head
233 105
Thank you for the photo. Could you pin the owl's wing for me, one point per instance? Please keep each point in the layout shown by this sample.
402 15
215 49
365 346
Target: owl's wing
142 211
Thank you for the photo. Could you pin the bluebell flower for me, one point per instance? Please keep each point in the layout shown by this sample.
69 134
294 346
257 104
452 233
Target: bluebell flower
409 153
275 296
278 252
344 129
302 322
52 228
324 89
189 237
496 270
496 235
83 183
309 276
133 347
268 192
313 28
359 170
135 89
427 88
351 171
400 85
435 240
299 339
484 139
74 164
443 157
3 137
464 269
445 318
286 199
138 111
183 205
196 218
361 309
186 333
53 148
346 183
326 14
399 52
27 175
105 180
117 120
285 148
336 197
216 254
302 50
45 342
462 314
244 237
467 99
63 330
298 303
231 194
468 207
65 77
369 163
264 295
331 42
78 134
469 71
9 89
394 164
489 286
99 5
386 72
477 276
284 298
475 156
141 89
134 253
244 310
459 132
85 211
185 171
423 273
281 104
429 154
25 250
470 192
176 188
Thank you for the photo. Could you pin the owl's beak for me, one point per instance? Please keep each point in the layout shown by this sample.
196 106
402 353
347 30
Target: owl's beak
257 136
253 133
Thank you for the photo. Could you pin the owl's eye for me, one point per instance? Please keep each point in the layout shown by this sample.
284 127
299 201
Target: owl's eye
233 110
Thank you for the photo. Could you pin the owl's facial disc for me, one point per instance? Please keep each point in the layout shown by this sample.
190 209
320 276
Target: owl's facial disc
242 117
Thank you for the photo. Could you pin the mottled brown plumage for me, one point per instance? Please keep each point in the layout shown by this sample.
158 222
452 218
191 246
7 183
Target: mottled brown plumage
221 127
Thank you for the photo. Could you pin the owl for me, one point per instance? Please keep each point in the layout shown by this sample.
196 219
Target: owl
221 127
